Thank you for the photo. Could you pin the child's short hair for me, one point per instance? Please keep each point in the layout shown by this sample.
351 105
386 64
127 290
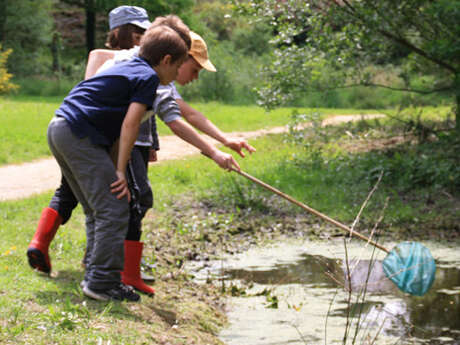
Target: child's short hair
160 41
122 36
175 23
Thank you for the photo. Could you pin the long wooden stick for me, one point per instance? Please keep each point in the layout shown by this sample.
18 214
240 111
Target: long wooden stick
309 209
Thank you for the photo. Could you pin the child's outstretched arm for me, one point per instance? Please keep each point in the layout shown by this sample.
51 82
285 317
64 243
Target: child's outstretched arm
128 136
201 122
188 133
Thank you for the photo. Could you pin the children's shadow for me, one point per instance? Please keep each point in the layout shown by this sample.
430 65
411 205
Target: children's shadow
69 297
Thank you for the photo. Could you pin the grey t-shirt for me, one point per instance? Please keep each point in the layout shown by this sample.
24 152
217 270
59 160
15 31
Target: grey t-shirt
165 104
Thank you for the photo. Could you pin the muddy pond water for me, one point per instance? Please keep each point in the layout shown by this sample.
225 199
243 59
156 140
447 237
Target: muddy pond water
293 293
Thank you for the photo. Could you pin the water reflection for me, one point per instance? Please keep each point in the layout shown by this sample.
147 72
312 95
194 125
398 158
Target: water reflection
320 271
434 317
310 270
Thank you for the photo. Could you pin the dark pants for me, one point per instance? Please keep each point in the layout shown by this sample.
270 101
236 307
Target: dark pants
64 201
141 192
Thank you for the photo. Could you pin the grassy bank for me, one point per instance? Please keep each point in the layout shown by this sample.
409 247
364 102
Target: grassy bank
35 309
201 210
419 189
24 121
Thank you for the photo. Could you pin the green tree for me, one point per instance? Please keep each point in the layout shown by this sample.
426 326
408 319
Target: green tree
216 17
345 37
2 19
218 20
25 27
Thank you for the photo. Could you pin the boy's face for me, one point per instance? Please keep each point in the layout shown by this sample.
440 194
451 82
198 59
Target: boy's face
189 71
167 70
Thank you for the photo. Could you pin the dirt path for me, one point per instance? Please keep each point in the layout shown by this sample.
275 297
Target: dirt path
23 180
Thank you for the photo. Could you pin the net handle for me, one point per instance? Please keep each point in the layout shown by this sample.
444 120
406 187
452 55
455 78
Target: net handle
311 210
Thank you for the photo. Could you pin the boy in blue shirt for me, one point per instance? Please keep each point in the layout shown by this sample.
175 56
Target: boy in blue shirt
98 113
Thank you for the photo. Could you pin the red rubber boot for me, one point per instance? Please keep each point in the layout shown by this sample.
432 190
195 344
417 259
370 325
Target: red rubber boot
38 248
131 274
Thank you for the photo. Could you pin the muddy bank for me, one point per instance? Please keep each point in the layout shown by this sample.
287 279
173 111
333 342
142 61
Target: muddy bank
200 231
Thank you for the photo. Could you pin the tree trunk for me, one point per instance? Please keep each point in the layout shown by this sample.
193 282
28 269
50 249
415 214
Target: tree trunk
90 24
457 101
457 113
2 19
55 48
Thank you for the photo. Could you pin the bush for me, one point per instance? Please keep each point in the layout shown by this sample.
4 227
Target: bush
235 79
5 84
421 163
57 84
369 97
252 39
362 97
216 16
45 86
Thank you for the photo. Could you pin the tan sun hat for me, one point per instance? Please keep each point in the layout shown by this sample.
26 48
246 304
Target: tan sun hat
199 51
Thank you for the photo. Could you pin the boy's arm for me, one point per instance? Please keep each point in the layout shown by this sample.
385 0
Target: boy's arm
96 59
167 109
187 133
128 135
202 123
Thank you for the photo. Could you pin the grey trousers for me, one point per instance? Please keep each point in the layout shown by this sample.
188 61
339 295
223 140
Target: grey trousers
89 172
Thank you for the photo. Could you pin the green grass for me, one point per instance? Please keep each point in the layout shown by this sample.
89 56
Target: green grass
419 180
329 179
249 118
319 188
36 309
24 121
23 129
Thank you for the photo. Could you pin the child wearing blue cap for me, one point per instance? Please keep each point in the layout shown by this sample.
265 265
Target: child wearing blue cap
97 113
127 25
129 15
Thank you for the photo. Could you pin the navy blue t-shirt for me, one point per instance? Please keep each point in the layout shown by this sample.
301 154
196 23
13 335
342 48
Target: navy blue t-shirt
96 107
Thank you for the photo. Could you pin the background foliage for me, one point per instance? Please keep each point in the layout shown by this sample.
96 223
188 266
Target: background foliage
5 84
301 53
25 27
322 45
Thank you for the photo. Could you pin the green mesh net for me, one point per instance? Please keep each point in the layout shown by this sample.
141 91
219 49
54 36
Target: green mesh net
411 267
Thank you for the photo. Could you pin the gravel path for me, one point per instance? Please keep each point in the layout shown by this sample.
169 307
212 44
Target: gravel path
19 181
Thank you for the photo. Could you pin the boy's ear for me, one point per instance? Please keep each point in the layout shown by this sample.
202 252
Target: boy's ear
166 60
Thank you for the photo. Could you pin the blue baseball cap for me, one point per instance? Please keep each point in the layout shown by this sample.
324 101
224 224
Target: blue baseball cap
128 15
